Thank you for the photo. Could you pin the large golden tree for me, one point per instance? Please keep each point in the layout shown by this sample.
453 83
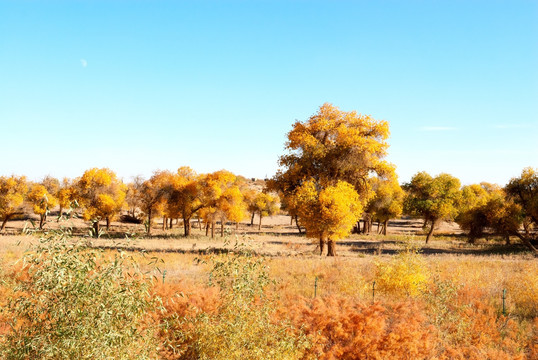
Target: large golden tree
328 149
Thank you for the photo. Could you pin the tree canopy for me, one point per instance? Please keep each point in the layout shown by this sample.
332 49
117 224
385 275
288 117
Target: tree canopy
433 198
101 195
332 153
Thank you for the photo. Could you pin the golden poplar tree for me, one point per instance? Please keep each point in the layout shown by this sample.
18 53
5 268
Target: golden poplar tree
330 148
264 204
185 196
101 195
221 199
328 213
387 202
42 202
12 192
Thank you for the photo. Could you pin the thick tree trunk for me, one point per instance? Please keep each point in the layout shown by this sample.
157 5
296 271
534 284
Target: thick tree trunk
171 223
222 228
252 218
385 224
165 223
96 228
321 245
107 223
367 224
430 233
41 222
199 224
378 226
212 229
291 220
331 251
260 223
187 227
357 229
207 229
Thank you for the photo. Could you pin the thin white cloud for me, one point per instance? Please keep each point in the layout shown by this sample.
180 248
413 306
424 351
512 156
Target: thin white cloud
436 128
83 62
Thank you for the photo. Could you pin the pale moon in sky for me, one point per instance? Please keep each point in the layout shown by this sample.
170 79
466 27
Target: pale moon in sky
83 62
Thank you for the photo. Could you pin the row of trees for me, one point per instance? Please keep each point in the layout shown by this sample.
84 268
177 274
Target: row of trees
479 208
219 196
333 175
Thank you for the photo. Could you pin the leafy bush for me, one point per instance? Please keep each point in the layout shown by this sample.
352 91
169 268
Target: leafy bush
73 303
405 275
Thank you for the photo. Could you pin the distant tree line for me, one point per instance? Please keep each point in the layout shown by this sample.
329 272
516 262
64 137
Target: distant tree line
333 177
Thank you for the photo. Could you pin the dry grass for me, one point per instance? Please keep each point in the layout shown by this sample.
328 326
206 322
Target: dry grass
295 263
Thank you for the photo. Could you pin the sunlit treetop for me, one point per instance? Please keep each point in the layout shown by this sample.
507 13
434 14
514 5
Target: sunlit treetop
334 145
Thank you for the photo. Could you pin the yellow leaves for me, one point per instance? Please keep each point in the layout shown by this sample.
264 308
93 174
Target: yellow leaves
263 204
12 192
405 275
40 199
222 197
231 204
328 212
388 200
331 146
100 193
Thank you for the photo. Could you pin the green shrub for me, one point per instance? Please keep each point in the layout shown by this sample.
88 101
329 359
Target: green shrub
77 303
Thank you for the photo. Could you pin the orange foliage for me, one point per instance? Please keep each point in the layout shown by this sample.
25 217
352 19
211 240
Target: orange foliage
181 301
342 329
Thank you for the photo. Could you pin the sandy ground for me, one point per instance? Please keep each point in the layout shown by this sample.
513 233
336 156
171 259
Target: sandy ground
277 237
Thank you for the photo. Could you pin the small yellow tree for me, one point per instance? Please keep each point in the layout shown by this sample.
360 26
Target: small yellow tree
265 205
101 196
231 206
184 196
221 199
66 195
387 202
12 192
42 202
328 213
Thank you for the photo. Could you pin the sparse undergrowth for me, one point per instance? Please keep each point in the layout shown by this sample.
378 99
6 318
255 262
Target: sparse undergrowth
69 301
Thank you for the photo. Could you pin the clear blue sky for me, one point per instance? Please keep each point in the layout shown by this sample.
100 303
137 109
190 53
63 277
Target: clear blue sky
138 86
